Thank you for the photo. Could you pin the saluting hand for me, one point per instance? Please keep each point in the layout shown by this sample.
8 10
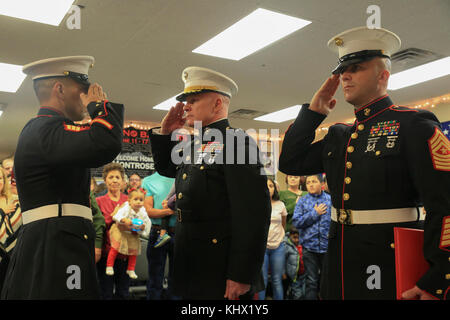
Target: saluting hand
323 101
173 119
95 93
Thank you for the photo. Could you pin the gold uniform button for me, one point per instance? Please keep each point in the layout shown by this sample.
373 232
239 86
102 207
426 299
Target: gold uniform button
447 276
214 241
184 176
392 245
354 135
85 236
367 111
349 165
346 196
378 153
438 291
361 127
350 149
202 167
330 153
348 180
180 195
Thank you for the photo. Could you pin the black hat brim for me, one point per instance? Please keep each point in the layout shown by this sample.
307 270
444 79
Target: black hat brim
182 97
357 57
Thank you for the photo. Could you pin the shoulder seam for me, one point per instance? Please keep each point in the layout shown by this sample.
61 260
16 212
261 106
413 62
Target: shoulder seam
394 108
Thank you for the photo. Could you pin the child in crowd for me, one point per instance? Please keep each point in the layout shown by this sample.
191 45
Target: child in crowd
295 270
312 216
274 258
128 242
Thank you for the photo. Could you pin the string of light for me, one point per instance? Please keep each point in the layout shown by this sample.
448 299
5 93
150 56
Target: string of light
423 104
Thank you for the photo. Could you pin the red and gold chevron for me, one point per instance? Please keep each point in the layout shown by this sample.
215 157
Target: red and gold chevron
445 234
103 122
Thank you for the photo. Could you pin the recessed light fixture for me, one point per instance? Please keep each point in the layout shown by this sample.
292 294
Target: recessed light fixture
281 115
11 77
49 12
428 71
167 104
252 33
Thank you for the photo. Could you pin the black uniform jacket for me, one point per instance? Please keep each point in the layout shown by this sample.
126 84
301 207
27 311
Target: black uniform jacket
390 157
223 209
52 166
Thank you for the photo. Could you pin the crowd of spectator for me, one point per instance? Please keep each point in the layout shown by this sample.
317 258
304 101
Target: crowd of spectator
297 238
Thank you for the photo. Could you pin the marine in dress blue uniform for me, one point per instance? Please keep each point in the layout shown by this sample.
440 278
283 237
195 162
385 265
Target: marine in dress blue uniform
54 256
380 170
221 231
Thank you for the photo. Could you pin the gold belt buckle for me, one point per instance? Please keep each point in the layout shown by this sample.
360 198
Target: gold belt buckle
345 216
178 215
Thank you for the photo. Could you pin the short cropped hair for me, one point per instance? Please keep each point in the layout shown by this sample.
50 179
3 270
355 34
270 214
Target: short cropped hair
319 177
293 230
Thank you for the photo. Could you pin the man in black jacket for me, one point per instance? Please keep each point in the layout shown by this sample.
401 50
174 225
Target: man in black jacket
223 203
54 255
380 170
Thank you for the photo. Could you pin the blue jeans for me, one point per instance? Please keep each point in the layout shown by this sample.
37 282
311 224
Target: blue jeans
296 290
156 265
313 267
116 286
275 258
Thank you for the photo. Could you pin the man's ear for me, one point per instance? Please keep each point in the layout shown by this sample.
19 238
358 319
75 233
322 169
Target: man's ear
59 89
384 76
218 104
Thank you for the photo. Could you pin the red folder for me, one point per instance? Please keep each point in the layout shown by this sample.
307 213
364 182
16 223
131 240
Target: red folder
410 265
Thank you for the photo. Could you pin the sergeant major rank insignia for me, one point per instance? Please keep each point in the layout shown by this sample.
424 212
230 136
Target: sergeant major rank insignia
440 150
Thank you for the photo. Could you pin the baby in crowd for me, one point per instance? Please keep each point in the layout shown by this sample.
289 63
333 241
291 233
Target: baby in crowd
132 214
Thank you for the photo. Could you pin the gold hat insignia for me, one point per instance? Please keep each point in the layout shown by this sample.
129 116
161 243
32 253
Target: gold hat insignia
339 42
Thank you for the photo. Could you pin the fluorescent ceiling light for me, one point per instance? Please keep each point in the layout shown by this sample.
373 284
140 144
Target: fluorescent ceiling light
11 77
425 72
43 11
1 112
255 31
281 115
166 105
